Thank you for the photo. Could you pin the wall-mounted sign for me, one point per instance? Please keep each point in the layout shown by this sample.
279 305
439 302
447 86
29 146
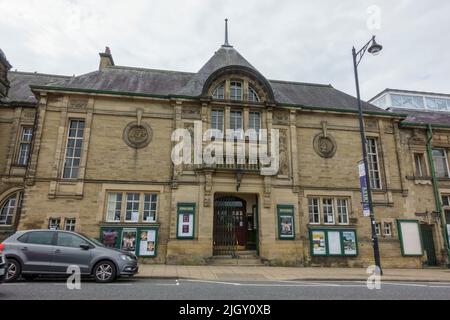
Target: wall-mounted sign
364 191
349 242
318 243
147 242
185 220
286 226
410 239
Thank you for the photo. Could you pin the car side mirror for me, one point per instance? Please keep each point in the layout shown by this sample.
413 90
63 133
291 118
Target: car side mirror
85 246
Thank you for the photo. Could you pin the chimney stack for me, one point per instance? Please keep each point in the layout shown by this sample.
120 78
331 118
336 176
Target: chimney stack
106 59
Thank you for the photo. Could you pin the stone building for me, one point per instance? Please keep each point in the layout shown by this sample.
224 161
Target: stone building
100 163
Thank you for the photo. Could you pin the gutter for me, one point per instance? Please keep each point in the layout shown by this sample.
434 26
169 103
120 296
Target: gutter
437 197
169 96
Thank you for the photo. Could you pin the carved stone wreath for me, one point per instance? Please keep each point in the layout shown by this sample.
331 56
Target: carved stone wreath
325 146
137 135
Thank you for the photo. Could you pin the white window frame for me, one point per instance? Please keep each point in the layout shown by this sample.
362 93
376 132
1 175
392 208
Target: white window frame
111 212
72 157
236 86
339 212
233 120
9 209
252 93
134 201
387 234
26 138
217 115
54 223
220 87
312 206
446 162
151 211
252 123
378 228
326 214
419 168
70 224
372 170
113 205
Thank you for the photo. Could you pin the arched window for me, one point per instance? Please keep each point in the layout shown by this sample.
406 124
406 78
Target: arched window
10 208
219 92
236 90
252 95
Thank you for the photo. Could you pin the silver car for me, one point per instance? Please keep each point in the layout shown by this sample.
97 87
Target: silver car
2 263
51 252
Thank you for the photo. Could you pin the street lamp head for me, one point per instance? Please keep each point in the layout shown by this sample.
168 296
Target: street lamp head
375 48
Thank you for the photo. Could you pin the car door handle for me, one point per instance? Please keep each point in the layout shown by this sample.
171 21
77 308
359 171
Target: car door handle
57 251
24 249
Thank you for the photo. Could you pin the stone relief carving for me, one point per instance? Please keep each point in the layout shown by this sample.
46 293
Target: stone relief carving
324 144
284 158
417 138
138 134
280 117
78 103
191 112
371 124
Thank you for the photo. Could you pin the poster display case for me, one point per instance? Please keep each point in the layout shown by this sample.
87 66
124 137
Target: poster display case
333 242
140 240
185 220
286 222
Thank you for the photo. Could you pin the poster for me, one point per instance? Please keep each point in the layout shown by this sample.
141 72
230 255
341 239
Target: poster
334 243
448 234
129 240
147 244
110 238
349 241
286 226
186 216
318 242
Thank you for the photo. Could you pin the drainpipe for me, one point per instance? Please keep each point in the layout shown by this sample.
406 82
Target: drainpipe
437 197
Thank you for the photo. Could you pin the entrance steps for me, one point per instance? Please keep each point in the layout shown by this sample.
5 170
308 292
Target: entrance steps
241 258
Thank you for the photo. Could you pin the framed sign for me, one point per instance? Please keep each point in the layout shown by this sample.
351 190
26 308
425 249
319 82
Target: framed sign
110 237
333 242
286 226
318 243
410 238
349 243
185 220
129 237
147 242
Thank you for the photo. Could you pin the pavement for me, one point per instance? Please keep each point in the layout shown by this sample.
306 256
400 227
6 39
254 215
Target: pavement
265 273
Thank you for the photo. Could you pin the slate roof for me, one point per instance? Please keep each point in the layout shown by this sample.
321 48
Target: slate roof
128 80
20 82
437 118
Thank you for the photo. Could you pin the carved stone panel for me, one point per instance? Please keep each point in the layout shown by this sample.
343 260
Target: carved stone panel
280 117
191 112
325 146
78 104
137 135
284 153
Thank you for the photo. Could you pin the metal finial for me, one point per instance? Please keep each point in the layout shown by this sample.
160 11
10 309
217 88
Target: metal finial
226 33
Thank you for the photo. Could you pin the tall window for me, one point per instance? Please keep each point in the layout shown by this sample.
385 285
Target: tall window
252 95
217 119
254 119
149 213
387 229
114 206
10 209
25 145
419 164
219 92
440 163
342 211
374 166
235 90
378 229
73 149
328 214
132 208
314 210
235 120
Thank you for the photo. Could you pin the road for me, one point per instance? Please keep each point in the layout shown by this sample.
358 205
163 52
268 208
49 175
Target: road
164 289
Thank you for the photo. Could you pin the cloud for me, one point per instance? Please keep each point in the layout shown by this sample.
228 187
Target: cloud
289 40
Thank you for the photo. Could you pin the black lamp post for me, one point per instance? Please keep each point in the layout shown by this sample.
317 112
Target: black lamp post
374 48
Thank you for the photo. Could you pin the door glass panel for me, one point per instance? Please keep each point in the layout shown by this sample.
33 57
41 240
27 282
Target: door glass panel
69 240
41 237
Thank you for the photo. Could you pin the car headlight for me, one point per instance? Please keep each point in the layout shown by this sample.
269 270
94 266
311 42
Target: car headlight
126 257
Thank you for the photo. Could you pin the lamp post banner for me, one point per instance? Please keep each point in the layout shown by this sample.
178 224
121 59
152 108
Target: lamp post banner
363 186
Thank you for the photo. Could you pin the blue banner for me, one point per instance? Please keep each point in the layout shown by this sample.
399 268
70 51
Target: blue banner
363 186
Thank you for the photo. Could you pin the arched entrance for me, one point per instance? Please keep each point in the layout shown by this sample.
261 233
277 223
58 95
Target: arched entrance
230 225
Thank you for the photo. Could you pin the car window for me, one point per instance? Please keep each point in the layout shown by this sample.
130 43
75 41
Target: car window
69 240
40 237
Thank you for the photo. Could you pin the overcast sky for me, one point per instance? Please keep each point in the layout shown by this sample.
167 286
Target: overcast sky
306 41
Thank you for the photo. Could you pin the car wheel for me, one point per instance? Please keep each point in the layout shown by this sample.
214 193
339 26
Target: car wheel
13 270
105 271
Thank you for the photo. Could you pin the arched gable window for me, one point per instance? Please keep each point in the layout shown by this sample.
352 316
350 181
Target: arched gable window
219 92
252 95
10 208
236 90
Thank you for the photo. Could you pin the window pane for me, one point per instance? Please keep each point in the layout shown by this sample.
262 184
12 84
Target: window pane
114 206
235 120
327 207
235 90
219 92
73 150
313 208
440 163
254 121
40 237
252 95
396 100
132 207
149 208
217 119
7 211
342 211
69 240
372 159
